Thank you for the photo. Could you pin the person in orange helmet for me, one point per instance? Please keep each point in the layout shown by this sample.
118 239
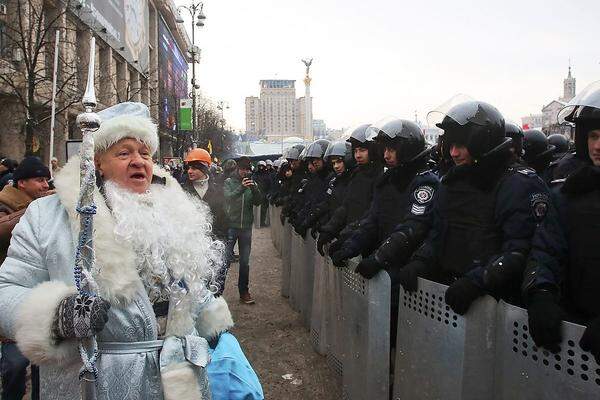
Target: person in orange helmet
199 185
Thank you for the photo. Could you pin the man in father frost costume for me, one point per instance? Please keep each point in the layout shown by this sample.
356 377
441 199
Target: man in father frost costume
160 332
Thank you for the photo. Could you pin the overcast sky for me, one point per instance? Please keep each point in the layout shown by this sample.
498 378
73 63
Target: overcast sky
391 57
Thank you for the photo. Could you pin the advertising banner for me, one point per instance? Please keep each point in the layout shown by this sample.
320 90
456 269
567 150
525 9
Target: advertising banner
172 78
123 24
185 115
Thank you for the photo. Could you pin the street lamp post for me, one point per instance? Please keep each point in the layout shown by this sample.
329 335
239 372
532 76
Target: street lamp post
198 17
221 106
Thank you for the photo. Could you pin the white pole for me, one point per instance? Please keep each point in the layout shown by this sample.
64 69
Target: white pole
52 117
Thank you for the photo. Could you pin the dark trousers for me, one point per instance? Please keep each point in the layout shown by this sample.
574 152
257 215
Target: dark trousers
264 214
243 237
13 367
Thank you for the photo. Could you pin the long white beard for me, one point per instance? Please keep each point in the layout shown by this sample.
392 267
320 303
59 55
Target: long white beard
171 236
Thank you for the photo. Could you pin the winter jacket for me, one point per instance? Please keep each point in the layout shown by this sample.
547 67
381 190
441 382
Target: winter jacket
239 203
214 199
13 203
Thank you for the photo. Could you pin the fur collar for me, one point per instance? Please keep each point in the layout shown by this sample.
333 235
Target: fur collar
118 279
14 199
584 180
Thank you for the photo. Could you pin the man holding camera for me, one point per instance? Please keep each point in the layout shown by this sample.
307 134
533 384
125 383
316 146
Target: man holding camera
241 195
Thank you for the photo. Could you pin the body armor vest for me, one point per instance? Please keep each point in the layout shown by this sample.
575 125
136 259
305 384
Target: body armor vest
360 191
392 206
471 235
583 229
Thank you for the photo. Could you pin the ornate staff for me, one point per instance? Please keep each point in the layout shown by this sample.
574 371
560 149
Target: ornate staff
88 122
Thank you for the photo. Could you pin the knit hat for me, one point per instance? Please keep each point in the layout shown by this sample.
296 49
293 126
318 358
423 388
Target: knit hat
125 120
30 167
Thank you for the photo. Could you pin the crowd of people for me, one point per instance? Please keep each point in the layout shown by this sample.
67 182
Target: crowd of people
490 209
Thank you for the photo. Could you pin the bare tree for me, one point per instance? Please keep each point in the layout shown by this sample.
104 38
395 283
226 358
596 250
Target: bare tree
211 129
30 35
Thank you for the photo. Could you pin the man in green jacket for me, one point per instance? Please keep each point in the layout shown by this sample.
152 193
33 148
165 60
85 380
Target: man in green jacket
241 195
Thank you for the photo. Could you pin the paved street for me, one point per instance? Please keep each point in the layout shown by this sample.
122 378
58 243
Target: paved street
272 335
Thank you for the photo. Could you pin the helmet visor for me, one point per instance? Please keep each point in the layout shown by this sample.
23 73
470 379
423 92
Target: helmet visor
356 132
388 127
339 149
588 97
448 109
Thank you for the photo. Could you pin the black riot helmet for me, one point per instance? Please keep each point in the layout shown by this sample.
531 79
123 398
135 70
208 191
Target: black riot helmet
403 135
560 142
316 149
293 153
515 132
584 111
357 136
477 125
536 146
339 149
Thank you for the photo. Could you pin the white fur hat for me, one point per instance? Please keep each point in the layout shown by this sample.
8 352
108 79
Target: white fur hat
126 120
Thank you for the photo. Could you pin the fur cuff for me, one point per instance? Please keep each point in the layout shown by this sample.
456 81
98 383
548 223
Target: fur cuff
214 319
180 382
35 318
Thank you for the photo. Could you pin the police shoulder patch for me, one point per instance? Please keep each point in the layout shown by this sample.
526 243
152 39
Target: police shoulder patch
423 194
539 205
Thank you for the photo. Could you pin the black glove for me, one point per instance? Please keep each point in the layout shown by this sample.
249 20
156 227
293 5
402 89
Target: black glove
324 238
369 267
461 294
339 257
394 249
335 246
408 275
545 317
590 341
80 316
499 273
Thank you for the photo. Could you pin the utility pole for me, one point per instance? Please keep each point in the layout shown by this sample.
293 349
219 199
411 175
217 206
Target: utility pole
198 17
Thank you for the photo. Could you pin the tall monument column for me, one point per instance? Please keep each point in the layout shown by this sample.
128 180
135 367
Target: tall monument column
308 131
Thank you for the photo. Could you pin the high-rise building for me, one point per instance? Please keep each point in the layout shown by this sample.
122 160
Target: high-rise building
253 115
319 128
277 113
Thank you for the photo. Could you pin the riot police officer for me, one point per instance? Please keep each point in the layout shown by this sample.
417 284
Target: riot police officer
537 152
359 192
561 145
485 213
298 168
575 246
315 187
339 157
401 203
515 132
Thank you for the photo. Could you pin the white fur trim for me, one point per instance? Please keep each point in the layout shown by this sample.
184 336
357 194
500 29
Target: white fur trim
180 382
34 325
214 319
126 126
